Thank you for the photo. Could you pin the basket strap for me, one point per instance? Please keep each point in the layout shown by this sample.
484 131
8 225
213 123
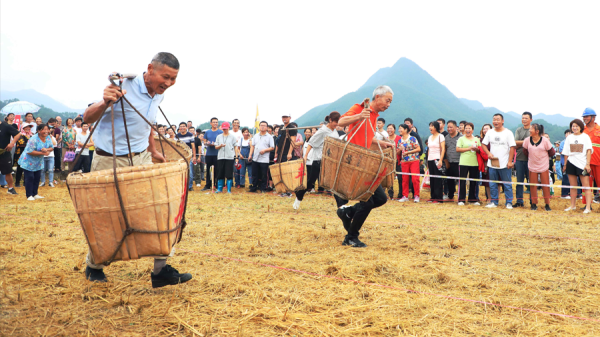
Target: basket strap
126 135
123 211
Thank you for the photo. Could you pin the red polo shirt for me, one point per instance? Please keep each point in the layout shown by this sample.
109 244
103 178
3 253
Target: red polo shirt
357 136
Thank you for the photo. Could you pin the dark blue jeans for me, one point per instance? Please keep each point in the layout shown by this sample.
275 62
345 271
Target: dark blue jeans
504 174
522 174
32 182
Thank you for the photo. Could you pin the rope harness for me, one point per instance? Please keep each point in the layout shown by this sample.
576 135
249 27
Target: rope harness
356 128
128 229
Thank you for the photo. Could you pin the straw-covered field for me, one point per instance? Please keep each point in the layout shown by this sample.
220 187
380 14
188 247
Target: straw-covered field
544 261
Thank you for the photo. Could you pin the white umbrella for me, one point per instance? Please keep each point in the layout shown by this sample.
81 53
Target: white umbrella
20 107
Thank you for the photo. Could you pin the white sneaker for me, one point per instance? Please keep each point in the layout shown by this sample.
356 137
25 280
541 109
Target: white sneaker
403 199
570 209
596 201
445 197
42 184
417 199
312 191
197 185
51 185
568 197
476 204
491 205
586 211
31 198
461 203
297 204
509 206
38 197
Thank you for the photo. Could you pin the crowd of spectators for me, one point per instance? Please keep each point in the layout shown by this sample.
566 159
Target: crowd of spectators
223 155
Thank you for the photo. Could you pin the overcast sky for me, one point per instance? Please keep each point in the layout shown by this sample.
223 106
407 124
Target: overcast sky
538 56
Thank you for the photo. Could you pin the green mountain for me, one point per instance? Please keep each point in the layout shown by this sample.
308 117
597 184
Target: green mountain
416 95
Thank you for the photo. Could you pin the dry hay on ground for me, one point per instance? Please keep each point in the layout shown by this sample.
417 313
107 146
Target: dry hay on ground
512 258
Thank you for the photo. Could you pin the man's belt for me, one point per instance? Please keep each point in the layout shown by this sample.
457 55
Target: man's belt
101 152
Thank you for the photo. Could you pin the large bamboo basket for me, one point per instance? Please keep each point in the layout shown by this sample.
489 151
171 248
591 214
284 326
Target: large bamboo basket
359 169
289 176
388 181
170 154
154 199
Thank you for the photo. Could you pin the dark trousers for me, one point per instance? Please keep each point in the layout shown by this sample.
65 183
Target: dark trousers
473 173
361 210
312 175
57 159
32 182
399 176
452 171
211 166
82 164
259 176
225 169
435 184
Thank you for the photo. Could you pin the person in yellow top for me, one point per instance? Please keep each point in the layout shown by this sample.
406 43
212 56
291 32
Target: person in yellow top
592 129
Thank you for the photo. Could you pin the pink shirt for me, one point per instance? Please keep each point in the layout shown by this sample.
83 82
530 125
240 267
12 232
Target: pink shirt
435 151
538 160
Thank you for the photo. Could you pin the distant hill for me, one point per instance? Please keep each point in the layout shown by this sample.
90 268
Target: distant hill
416 94
420 96
38 98
554 119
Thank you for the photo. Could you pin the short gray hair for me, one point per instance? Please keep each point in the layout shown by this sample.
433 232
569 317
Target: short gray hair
167 59
382 90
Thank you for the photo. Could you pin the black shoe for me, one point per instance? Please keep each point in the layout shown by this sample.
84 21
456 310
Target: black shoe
583 208
206 188
547 208
12 191
252 190
355 243
191 189
242 186
95 275
534 207
519 204
17 185
343 214
269 189
169 276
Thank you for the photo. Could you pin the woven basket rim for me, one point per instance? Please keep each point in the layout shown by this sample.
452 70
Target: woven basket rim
126 173
181 145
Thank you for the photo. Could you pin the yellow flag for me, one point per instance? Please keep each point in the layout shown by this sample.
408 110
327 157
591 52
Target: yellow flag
256 120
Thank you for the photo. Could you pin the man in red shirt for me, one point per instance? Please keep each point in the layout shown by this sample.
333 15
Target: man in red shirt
592 129
353 217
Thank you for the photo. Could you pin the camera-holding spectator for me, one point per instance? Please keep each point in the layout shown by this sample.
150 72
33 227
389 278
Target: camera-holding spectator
578 154
436 145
